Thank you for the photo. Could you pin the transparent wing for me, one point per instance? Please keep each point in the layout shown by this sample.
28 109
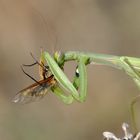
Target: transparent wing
30 95
34 92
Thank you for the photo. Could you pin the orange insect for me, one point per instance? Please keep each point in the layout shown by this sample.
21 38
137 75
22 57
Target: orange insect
39 89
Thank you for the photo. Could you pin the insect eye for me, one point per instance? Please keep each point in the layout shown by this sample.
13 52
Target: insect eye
47 67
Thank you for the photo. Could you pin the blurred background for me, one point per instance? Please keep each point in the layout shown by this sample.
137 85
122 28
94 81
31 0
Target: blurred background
98 26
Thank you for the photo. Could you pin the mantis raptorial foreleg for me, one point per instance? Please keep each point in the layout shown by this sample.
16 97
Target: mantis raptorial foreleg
64 82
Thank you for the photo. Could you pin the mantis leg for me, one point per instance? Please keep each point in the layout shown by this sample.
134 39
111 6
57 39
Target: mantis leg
67 99
64 82
79 83
134 101
130 70
80 79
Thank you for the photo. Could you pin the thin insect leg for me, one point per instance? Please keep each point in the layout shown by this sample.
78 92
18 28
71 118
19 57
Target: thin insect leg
41 65
136 77
135 72
30 65
30 76
134 101
42 69
35 63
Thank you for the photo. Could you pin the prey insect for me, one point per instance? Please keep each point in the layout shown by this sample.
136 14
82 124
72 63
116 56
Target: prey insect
40 88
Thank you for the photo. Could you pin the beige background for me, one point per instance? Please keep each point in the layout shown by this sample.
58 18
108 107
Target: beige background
98 26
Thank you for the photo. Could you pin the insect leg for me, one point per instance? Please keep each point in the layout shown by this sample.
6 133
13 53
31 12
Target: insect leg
60 77
67 99
80 79
64 81
30 65
134 73
29 75
130 70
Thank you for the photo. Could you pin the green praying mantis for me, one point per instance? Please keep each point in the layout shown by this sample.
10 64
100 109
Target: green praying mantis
53 77
55 64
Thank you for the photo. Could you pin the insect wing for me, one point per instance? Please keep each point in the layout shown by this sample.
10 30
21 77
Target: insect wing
34 92
31 95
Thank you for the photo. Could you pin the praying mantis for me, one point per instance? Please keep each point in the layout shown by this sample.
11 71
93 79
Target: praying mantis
54 78
130 65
